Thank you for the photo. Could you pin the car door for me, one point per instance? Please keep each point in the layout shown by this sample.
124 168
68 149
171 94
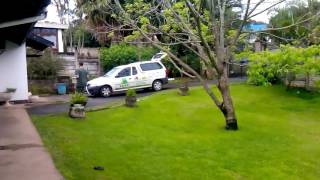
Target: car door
152 71
135 80
123 79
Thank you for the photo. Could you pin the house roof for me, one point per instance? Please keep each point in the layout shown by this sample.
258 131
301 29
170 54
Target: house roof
256 26
37 42
51 25
18 17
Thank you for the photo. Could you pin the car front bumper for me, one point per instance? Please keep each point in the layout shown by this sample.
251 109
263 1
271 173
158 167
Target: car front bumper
93 90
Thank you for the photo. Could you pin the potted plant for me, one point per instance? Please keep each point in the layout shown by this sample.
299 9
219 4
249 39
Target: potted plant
7 95
77 105
131 98
79 98
184 88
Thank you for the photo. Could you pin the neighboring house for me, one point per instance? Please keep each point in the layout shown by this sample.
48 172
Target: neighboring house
88 56
16 20
52 32
70 58
259 42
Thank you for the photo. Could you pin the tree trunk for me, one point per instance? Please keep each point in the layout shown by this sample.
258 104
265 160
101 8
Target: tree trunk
307 85
227 107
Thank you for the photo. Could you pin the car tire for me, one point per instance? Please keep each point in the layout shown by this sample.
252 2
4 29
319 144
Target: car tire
105 91
157 85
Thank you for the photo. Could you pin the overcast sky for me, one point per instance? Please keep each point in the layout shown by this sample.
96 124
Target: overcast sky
264 17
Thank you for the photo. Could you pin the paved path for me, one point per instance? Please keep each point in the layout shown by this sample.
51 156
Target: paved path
99 101
22 154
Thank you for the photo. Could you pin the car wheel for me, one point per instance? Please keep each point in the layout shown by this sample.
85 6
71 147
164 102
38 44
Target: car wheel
157 85
105 91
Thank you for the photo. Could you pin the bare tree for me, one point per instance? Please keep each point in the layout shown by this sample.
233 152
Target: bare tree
63 9
205 27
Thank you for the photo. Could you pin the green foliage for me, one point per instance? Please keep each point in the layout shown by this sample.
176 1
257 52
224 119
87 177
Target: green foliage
266 68
314 36
122 54
39 89
44 67
81 35
317 84
131 92
78 98
294 12
187 57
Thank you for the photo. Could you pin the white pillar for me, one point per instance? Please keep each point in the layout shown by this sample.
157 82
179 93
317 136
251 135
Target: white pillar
13 70
60 41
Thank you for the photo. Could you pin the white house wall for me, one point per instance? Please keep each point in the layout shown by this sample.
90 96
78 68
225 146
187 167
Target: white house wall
13 71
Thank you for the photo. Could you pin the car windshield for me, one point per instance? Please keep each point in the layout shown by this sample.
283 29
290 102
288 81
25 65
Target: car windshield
111 72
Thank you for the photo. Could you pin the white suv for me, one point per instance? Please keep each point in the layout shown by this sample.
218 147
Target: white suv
137 75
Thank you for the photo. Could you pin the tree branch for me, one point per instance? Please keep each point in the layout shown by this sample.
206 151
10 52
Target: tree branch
266 9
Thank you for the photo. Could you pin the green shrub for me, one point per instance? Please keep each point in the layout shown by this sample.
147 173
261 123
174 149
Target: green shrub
122 54
44 67
266 68
38 89
131 92
189 58
78 98
317 85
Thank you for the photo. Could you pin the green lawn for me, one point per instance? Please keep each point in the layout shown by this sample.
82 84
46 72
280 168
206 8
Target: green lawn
173 137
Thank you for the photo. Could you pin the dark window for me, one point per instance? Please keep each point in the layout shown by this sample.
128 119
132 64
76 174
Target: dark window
150 66
134 71
158 55
124 72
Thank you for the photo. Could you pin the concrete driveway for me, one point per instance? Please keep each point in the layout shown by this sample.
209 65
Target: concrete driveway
100 101
92 102
22 154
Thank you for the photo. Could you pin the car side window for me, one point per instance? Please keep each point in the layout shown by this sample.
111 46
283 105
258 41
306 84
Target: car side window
124 72
134 71
150 66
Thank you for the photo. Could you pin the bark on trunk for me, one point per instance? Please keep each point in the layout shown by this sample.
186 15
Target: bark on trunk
307 85
227 106
207 72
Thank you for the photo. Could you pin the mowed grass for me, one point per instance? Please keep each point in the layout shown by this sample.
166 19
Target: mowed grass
172 137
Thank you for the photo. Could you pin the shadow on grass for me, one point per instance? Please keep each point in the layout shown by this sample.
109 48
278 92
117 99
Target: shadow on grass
302 93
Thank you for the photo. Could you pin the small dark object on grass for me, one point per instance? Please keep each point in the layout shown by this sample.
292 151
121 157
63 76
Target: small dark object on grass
184 88
100 168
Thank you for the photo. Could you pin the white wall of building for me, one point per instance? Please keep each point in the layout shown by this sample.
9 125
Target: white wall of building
13 70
